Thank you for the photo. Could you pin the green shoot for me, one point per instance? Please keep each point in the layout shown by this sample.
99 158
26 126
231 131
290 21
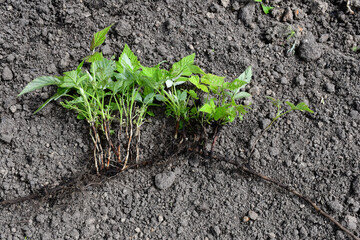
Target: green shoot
356 48
266 9
279 113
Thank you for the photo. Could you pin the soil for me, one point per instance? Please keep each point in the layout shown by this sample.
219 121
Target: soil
188 197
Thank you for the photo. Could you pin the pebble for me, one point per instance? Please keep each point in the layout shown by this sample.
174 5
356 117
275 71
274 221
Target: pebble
246 219
284 80
319 6
330 87
225 3
13 108
90 221
351 222
253 215
7 130
246 14
217 231
336 206
300 80
160 218
164 180
123 28
274 151
272 235
137 230
7 74
288 15
106 50
309 49
74 234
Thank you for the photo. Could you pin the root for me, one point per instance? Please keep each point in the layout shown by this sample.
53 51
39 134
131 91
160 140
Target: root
137 144
245 169
96 148
128 147
177 129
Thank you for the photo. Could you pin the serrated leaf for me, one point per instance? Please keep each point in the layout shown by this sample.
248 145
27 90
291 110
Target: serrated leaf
182 67
303 107
70 79
194 80
97 56
292 106
206 108
196 69
213 81
220 113
128 60
266 9
99 38
203 88
60 92
40 82
103 69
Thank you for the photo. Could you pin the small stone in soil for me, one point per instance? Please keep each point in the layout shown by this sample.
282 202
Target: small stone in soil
164 180
253 215
7 74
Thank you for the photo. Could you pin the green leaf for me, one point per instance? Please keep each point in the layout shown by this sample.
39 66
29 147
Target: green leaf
193 94
103 69
160 98
128 60
60 92
40 82
206 108
266 9
80 116
194 80
241 95
214 82
292 106
149 98
241 81
258 0
203 88
70 79
99 38
220 112
183 66
197 70
78 69
274 101
303 107
150 113
97 56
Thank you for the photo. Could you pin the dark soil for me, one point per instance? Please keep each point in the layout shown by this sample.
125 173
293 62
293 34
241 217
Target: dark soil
188 197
